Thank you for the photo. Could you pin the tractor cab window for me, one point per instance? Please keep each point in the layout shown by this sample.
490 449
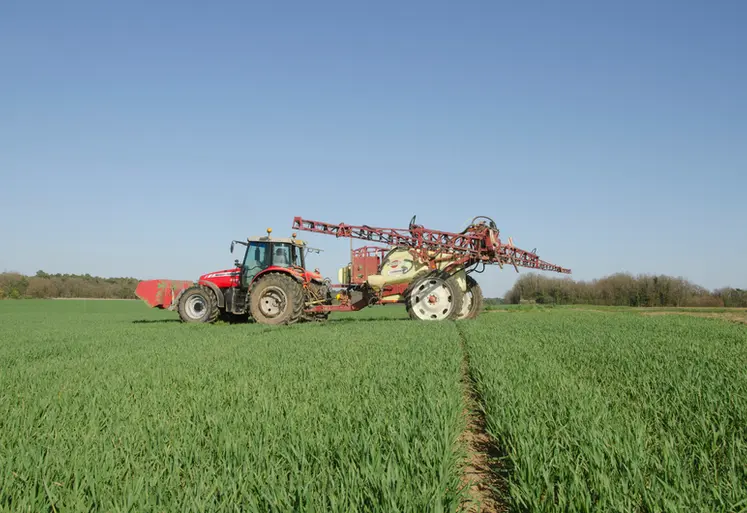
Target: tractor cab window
281 255
254 262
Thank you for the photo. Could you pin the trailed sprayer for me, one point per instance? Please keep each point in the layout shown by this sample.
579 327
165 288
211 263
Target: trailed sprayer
427 270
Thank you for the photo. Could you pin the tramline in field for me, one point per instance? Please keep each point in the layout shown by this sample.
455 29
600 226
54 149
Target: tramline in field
427 270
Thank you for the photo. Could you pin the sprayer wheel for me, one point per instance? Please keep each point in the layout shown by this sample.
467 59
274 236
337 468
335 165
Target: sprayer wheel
434 297
473 300
198 304
276 299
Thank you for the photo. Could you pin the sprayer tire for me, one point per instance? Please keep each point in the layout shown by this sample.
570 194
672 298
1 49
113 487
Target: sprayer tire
276 299
474 297
198 304
447 290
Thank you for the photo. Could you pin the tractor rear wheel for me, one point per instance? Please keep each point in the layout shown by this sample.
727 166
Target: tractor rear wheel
198 304
473 300
434 297
276 299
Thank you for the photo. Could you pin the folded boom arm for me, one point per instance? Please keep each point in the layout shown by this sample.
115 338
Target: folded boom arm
477 243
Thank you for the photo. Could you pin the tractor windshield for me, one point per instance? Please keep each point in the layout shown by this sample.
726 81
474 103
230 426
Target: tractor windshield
254 261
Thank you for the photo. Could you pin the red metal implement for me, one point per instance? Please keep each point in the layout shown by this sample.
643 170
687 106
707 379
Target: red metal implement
479 243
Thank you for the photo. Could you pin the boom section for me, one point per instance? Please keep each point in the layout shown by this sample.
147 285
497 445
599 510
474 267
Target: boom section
478 243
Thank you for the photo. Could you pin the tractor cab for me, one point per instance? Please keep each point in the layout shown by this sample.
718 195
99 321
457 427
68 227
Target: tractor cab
263 253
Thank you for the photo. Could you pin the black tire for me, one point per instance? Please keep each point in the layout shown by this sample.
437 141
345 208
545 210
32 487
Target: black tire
475 299
198 304
276 299
437 284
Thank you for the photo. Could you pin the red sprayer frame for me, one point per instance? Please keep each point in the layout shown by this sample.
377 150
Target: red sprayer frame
478 243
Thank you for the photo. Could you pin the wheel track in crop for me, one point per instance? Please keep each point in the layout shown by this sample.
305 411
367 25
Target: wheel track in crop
483 470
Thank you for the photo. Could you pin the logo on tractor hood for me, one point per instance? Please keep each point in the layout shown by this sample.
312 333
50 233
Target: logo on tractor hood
222 274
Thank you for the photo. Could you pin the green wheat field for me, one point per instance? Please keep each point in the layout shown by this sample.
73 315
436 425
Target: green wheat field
111 406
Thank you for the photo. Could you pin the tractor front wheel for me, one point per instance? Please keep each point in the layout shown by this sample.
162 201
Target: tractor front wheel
473 300
434 297
198 304
276 299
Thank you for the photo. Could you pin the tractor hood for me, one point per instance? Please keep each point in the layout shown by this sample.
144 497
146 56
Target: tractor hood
222 279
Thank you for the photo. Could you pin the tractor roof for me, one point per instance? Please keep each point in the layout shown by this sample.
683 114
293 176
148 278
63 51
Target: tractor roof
282 240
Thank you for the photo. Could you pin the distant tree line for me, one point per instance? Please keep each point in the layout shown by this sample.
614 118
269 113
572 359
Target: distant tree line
43 285
493 301
615 290
622 289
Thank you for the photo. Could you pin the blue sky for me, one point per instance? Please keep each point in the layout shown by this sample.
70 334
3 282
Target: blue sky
138 138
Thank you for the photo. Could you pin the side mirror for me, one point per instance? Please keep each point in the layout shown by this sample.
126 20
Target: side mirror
232 248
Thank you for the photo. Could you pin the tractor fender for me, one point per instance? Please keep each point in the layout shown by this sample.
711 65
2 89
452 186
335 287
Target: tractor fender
217 291
280 270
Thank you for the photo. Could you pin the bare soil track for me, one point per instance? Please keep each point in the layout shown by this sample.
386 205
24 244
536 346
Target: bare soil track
483 469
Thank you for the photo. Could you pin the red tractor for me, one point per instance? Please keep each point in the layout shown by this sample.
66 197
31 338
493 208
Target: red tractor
271 284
